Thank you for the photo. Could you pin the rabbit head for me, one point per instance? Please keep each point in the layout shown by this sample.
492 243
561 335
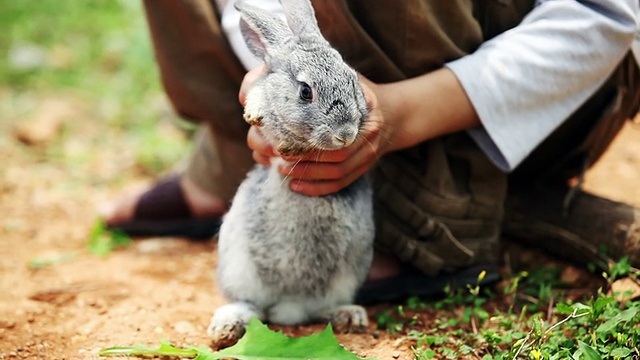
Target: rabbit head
309 99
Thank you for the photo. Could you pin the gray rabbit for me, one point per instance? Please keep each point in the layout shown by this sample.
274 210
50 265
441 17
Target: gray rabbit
284 257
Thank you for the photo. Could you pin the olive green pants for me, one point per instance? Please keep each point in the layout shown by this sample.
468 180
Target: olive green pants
439 205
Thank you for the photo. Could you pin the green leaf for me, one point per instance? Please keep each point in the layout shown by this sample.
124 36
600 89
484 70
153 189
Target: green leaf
165 349
258 343
622 352
621 268
601 303
610 324
564 309
588 352
40 263
102 241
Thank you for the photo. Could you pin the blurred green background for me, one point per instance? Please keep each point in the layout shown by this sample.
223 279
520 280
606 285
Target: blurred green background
85 69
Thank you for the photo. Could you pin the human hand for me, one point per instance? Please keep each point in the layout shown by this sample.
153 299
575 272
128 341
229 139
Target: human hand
325 172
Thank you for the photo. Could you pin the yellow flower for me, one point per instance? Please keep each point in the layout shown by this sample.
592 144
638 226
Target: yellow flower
536 354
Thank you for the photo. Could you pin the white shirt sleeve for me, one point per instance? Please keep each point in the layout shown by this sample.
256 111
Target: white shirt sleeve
525 82
231 28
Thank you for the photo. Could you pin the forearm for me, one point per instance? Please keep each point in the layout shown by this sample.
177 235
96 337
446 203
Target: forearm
526 82
425 107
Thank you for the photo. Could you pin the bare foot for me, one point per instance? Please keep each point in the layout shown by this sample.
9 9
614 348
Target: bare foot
384 266
201 203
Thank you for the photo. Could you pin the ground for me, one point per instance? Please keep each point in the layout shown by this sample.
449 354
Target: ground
155 289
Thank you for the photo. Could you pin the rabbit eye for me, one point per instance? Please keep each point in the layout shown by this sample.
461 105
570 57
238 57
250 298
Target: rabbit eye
306 93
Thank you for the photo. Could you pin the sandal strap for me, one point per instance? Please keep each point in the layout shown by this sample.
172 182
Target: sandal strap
164 201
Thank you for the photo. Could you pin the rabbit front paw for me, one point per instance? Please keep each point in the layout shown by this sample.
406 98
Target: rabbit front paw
253 107
229 322
349 319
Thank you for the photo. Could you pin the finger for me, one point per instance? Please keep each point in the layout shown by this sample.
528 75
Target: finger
365 156
331 156
261 159
248 80
257 142
319 188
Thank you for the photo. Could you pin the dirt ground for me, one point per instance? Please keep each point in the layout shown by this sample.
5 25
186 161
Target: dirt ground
157 288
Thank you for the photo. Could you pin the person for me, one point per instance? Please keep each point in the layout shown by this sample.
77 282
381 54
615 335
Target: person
469 100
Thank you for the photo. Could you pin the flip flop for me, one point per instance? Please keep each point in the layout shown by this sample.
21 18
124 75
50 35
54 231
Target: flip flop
412 282
163 211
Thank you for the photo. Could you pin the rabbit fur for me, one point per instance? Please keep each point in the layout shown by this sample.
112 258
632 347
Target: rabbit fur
284 257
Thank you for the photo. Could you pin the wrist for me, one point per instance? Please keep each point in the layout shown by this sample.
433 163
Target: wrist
425 107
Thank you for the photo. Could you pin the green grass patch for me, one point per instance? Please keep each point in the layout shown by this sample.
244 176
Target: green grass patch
476 323
103 241
98 53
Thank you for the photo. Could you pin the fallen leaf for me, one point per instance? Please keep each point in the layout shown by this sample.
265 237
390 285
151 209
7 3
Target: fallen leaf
45 125
258 343
625 289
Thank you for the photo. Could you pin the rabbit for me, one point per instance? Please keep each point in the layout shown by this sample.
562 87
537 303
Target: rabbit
284 257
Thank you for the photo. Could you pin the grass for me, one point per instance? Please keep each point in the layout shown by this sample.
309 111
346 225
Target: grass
96 56
476 323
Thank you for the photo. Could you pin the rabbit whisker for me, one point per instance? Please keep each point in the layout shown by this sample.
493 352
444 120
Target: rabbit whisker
290 171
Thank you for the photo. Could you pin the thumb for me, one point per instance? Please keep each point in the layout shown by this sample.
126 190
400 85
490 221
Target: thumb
249 79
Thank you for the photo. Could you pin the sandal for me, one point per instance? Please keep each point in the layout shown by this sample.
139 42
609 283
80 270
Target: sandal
163 211
412 282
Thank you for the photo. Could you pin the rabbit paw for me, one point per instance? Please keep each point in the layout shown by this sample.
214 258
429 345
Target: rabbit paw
229 322
253 107
349 319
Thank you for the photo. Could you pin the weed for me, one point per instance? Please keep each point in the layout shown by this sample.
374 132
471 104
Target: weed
474 324
103 241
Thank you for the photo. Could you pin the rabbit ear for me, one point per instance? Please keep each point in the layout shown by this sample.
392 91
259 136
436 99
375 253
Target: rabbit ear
262 31
301 19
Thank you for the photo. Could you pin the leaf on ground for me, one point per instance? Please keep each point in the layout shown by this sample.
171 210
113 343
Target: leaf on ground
625 289
622 352
103 241
623 316
40 263
165 349
258 343
588 352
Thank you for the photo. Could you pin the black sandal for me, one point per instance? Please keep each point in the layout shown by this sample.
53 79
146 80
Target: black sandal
412 282
163 211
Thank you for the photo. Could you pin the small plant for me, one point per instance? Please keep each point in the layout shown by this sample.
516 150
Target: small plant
472 325
259 342
103 241
40 263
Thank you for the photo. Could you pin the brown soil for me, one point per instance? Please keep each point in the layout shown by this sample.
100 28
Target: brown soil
157 288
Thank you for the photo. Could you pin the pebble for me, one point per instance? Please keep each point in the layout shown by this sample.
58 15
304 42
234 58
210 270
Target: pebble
184 327
6 324
155 245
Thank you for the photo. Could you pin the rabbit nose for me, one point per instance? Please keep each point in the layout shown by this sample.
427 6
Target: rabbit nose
339 140
344 137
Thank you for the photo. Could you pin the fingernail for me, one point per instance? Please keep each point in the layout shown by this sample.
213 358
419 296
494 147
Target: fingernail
295 185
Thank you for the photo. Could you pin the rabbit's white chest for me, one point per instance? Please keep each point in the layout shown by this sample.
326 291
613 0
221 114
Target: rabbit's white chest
275 243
